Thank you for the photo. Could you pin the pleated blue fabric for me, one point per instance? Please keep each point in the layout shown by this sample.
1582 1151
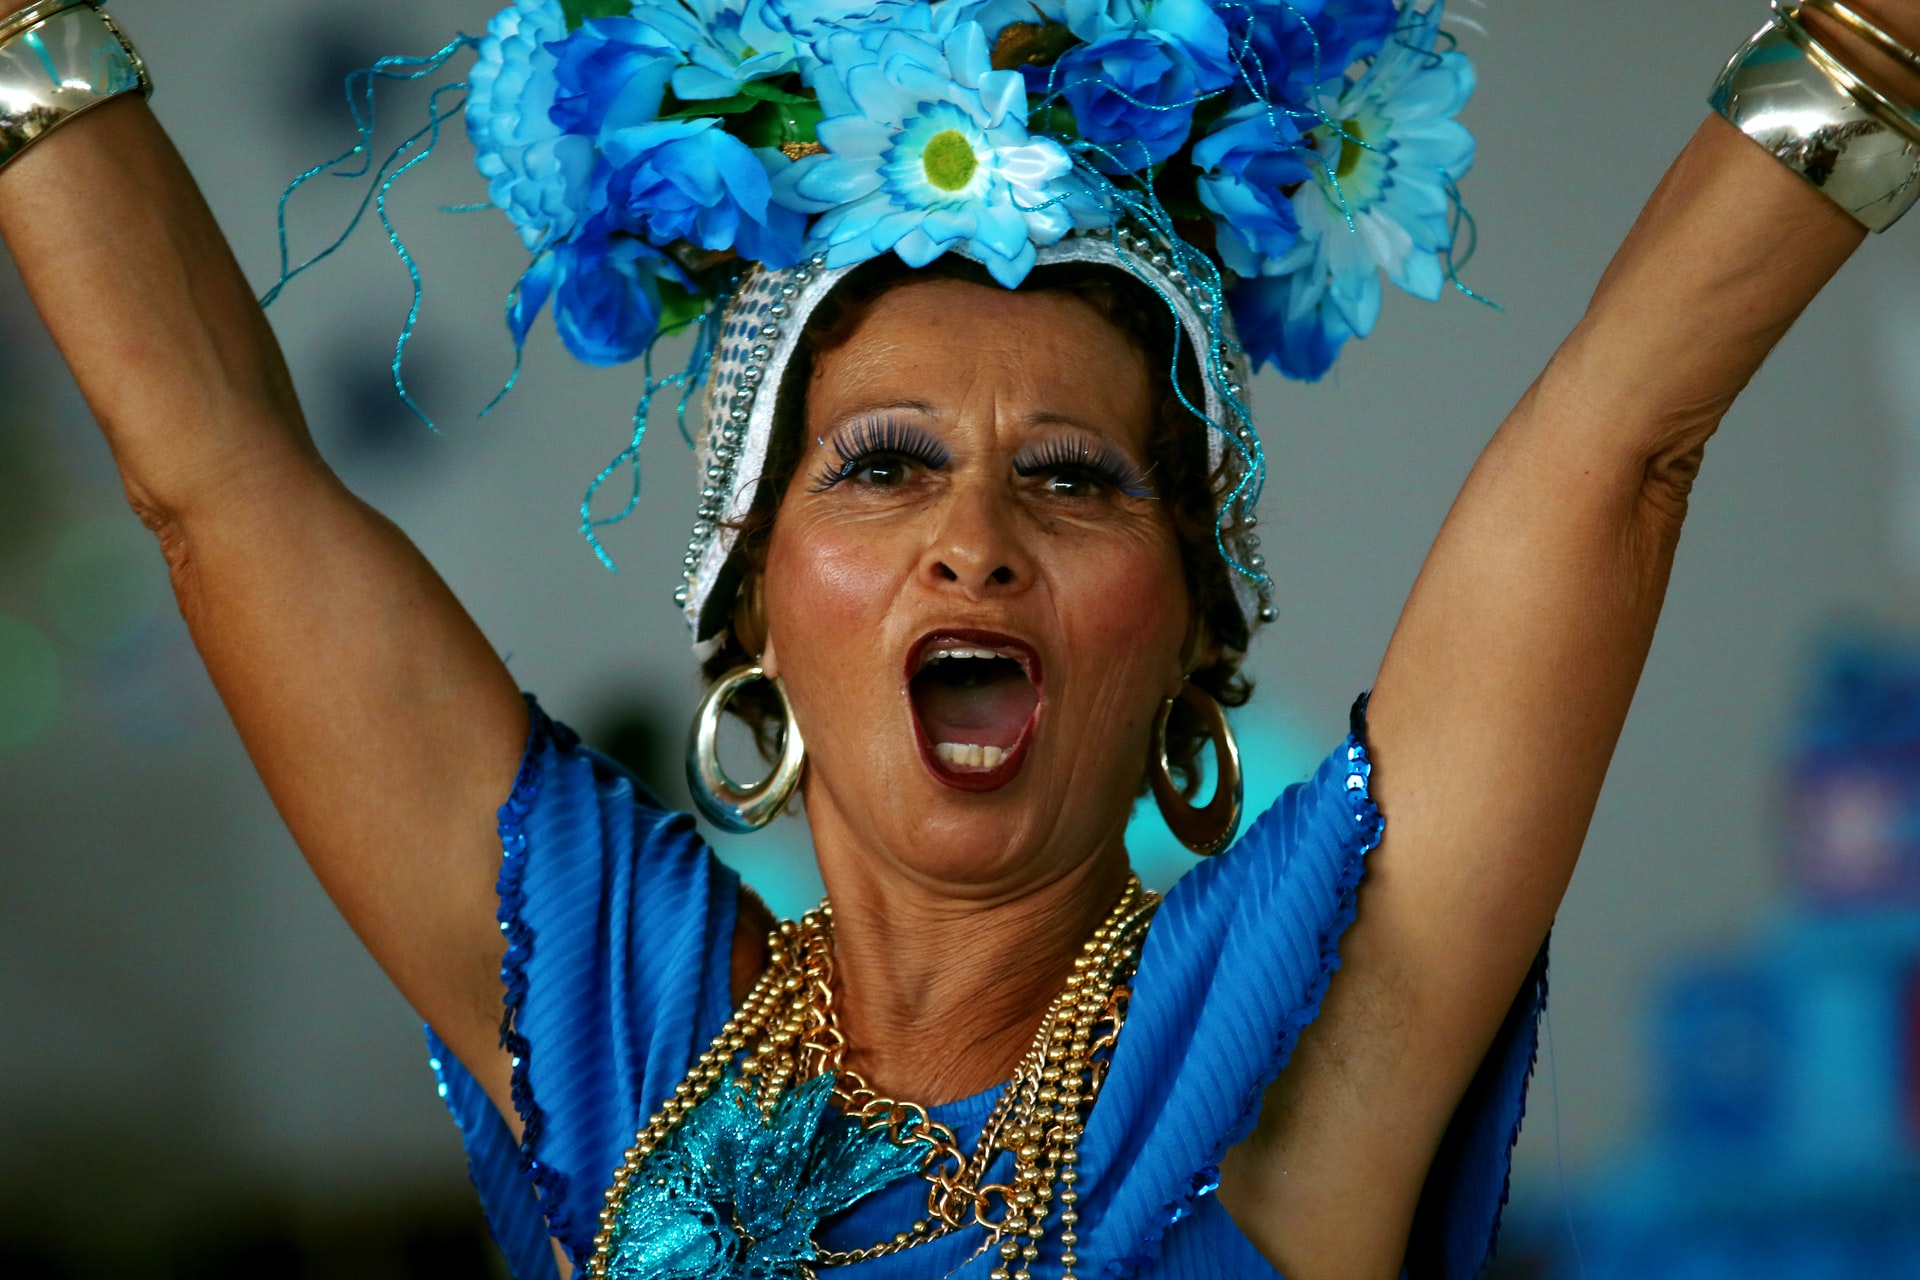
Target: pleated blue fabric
620 923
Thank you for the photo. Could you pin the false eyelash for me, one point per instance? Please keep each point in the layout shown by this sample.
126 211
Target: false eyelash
1101 458
872 438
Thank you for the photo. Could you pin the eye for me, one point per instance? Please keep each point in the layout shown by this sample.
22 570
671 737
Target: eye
1082 467
881 453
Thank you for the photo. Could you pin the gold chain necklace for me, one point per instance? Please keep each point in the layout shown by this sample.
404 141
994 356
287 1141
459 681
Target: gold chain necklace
788 1034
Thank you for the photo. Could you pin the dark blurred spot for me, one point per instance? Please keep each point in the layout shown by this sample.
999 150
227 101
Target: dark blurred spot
436 1238
328 52
23 1260
638 734
366 420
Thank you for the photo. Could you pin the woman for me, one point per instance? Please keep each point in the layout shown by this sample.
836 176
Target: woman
972 477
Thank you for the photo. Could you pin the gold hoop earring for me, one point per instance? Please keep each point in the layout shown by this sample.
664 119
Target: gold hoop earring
724 802
1206 830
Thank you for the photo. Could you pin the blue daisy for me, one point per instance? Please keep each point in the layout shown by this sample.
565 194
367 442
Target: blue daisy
1384 167
726 44
927 150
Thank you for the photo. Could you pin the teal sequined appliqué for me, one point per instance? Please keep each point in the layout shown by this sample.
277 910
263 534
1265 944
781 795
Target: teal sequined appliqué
735 1194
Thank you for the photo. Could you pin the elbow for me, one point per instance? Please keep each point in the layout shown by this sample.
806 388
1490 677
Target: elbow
1667 478
166 523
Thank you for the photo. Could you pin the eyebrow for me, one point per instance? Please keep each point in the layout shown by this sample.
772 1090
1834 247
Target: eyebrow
1049 418
882 406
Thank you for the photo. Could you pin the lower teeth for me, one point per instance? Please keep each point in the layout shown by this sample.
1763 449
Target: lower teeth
966 755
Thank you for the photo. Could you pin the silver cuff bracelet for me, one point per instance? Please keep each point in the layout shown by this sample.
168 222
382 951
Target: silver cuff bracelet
1859 147
57 58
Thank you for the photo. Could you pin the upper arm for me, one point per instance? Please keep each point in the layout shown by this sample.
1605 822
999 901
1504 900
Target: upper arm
384 725
386 729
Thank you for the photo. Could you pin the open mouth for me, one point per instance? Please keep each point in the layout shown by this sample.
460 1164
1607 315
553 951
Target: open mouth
976 700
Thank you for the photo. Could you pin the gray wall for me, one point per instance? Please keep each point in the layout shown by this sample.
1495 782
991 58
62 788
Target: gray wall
187 1018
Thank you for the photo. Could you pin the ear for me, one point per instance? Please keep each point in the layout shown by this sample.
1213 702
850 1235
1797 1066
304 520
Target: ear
769 663
1199 652
749 616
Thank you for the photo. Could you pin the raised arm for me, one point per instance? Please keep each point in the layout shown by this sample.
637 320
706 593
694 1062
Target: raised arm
382 722
1506 684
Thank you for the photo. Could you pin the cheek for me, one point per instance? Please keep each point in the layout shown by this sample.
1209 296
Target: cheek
830 586
1127 601
828 577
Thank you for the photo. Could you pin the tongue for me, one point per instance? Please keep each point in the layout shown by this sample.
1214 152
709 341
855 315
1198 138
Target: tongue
992 713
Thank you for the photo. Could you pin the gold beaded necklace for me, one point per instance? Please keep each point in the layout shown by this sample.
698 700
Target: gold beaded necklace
788 1034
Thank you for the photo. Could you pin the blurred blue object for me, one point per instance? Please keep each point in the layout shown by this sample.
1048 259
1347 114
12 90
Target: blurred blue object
1789 1067
1786 1070
1854 792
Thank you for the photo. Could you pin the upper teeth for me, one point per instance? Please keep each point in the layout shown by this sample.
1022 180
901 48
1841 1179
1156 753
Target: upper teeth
940 655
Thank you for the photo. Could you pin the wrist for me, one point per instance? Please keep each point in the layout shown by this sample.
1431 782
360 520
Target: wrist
58 59
1806 100
1866 58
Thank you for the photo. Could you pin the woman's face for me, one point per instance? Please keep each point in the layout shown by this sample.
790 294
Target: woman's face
972 591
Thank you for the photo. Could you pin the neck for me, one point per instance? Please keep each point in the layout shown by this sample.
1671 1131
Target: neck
939 995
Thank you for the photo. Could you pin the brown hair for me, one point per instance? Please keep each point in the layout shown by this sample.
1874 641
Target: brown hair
1177 459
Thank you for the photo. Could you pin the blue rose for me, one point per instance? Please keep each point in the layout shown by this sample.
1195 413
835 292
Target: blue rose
1249 165
691 180
1132 95
611 73
1192 27
1300 44
534 170
606 296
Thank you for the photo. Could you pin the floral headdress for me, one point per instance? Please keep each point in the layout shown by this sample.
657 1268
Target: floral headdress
717 165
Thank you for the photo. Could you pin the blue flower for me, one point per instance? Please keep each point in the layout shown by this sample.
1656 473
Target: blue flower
1133 76
725 44
1297 44
1190 28
1264 309
534 169
612 71
927 150
1132 96
1247 165
606 295
691 180
810 20
735 1193
1388 161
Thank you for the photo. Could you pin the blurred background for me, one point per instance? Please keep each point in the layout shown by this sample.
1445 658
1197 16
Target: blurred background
204 1075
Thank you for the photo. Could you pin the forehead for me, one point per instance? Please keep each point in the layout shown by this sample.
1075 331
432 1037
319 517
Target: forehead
957 346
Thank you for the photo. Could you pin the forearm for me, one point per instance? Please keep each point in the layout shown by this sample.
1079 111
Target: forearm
133 278
1726 255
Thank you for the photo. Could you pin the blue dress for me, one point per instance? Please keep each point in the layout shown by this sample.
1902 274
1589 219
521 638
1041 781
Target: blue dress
619 924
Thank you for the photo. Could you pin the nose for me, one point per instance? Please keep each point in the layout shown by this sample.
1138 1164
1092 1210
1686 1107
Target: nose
977 548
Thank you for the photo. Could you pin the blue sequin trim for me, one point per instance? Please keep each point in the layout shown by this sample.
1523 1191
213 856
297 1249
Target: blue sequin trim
1363 836
549 1184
